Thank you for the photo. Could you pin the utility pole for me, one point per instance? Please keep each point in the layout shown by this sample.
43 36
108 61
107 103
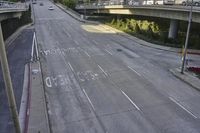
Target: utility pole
186 40
8 84
84 9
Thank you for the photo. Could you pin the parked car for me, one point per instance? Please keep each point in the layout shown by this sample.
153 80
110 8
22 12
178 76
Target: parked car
168 2
159 2
189 2
164 2
147 2
41 4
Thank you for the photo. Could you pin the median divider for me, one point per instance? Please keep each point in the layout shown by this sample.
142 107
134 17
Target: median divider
38 117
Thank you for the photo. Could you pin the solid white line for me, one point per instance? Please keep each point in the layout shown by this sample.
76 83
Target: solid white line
134 71
36 45
103 70
87 54
130 100
70 66
183 107
32 49
88 99
108 51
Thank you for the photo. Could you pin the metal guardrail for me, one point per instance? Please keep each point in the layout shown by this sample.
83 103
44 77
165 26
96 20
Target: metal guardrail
5 5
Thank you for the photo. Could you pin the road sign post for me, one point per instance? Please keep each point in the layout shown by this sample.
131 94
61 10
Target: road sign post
186 40
8 84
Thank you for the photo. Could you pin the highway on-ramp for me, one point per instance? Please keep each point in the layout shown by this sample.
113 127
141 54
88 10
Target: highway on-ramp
99 82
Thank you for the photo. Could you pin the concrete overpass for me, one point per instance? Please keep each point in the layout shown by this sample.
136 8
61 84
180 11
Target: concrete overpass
174 13
11 10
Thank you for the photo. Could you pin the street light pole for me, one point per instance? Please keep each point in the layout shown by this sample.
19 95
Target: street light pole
186 40
8 84
84 10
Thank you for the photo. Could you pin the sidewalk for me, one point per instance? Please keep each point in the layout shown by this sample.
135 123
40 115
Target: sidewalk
38 119
187 77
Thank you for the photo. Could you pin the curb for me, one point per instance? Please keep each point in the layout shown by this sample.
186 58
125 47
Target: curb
25 100
121 33
188 77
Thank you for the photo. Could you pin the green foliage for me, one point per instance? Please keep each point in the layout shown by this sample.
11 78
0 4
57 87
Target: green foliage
156 31
69 3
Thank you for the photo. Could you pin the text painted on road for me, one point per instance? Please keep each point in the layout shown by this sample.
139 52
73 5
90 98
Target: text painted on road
87 75
58 80
59 51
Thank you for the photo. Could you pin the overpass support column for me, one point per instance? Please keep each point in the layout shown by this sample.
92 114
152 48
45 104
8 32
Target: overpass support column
173 29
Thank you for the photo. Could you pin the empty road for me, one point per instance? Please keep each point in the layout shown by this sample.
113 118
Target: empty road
99 82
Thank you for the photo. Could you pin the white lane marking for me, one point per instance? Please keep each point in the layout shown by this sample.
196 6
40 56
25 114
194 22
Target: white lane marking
32 49
130 100
71 66
103 70
182 107
134 71
108 51
88 99
76 42
95 42
36 45
87 54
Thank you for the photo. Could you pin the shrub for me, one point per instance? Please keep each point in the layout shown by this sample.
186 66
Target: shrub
69 3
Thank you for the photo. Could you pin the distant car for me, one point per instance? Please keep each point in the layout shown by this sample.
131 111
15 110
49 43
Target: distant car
106 3
34 2
168 2
147 2
133 3
159 2
50 8
41 4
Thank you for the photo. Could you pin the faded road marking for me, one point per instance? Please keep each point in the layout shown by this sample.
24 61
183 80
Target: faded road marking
76 42
87 54
87 75
108 51
134 71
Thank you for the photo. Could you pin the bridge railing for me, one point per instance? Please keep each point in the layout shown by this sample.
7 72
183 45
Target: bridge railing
5 5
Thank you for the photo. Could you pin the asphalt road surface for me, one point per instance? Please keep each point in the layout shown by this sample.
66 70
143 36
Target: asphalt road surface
18 53
99 82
